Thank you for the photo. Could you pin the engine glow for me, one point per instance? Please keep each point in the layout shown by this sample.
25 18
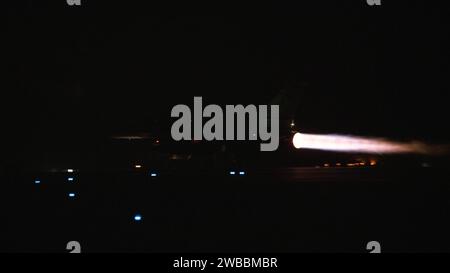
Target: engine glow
339 143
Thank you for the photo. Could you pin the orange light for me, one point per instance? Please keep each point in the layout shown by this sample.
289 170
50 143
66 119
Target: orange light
373 163
338 164
326 165
138 166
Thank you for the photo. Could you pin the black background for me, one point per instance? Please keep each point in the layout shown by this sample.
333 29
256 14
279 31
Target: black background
77 75
101 67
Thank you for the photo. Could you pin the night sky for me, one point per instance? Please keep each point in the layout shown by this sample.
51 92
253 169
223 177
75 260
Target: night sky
83 73
78 77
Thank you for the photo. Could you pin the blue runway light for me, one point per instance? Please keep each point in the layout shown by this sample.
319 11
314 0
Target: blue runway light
153 175
70 179
37 181
241 173
71 195
232 173
138 218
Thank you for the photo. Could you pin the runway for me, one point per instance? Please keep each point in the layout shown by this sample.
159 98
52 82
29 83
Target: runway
271 210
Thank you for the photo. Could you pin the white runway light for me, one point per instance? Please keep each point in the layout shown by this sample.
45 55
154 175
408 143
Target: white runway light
339 143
